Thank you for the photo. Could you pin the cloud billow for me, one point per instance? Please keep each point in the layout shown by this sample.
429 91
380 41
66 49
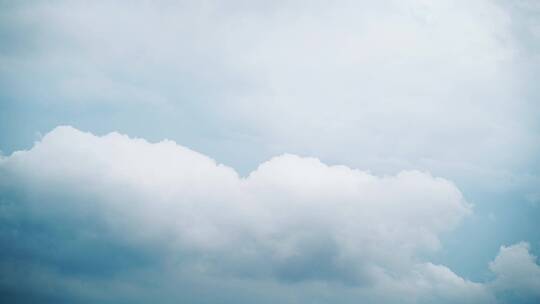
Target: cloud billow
80 212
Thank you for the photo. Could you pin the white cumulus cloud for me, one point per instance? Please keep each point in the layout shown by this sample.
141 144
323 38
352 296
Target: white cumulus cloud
516 271
84 205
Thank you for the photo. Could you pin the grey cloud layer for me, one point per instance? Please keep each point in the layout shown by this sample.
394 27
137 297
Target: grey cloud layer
80 212
444 83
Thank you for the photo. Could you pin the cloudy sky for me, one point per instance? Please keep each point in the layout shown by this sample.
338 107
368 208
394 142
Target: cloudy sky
270 151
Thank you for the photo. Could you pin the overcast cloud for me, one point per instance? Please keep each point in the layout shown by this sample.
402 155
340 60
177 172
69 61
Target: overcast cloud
372 151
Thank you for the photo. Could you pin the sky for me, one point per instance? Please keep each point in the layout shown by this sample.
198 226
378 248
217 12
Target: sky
270 151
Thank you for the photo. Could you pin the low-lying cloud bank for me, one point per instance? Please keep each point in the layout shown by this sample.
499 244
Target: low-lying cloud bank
113 219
